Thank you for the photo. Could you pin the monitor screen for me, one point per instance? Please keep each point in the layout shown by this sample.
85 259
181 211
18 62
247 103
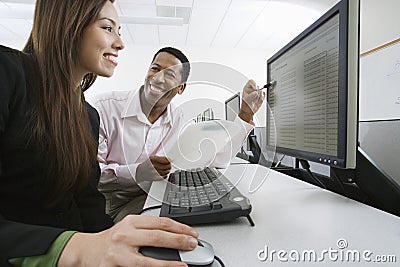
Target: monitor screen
199 118
208 114
232 107
314 100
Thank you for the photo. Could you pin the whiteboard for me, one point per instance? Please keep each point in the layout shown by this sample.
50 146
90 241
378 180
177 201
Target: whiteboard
380 84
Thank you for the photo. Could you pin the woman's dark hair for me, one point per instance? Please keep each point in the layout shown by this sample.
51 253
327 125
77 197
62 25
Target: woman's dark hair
60 121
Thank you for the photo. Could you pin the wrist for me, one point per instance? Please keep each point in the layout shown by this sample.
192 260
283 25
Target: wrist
247 117
72 254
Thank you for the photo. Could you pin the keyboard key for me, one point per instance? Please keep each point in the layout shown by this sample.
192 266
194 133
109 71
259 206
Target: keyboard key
202 196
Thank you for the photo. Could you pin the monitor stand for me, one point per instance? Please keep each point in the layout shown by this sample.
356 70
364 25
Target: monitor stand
380 189
367 183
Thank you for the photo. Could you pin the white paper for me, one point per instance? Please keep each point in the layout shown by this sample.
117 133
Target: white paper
199 144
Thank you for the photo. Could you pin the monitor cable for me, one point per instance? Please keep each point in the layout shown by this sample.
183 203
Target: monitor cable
306 165
221 263
336 178
250 220
279 161
149 208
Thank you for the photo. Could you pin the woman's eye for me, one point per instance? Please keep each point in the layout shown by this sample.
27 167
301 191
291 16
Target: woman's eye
108 28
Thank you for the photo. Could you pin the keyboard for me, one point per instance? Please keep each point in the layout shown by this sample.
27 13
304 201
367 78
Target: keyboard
203 196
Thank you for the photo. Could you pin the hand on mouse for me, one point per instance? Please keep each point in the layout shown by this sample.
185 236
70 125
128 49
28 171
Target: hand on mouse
153 169
119 245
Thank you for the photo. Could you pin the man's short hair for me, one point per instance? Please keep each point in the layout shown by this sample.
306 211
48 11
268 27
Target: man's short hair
182 58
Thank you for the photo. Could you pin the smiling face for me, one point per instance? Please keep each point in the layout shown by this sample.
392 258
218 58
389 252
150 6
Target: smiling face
101 42
163 80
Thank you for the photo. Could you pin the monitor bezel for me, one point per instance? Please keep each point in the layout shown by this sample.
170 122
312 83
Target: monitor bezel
237 95
348 78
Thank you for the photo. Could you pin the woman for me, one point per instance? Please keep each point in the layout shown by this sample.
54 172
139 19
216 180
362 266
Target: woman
51 213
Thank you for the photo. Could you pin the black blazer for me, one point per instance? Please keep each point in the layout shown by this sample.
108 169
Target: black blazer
27 226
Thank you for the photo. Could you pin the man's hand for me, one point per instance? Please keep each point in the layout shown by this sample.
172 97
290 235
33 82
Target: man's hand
252 100
154 169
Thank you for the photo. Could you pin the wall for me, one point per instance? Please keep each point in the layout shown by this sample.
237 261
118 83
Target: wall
242 64
378 134
378 26
379 23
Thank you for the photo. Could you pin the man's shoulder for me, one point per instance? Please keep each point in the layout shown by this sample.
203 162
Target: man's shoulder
176 109
177 113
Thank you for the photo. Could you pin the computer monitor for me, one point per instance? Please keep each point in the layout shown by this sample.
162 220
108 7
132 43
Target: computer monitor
314 100
208 114
232 107
199 118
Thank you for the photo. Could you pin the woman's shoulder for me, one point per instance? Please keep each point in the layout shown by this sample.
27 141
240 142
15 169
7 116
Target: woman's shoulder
15 67
6 49
8 53
10 62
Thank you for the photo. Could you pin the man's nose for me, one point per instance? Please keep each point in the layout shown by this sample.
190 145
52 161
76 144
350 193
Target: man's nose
158 77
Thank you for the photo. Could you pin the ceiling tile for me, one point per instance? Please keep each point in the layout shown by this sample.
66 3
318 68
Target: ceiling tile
217 5
15 30
244 24
173 35
205 21
137 2
181 3
143 34
237 21
129 9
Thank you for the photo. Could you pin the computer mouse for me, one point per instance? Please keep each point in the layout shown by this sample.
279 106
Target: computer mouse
202 255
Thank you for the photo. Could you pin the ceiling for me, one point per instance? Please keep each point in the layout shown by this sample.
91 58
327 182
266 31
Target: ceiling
241 24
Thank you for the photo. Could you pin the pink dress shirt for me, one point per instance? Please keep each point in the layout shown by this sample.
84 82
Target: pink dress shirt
127 138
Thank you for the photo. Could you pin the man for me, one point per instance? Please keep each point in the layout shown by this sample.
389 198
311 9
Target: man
135 126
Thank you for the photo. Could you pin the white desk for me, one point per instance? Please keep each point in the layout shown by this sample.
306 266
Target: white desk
294 216
237 160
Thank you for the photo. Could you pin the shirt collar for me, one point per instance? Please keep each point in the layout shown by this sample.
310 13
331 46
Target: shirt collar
134 109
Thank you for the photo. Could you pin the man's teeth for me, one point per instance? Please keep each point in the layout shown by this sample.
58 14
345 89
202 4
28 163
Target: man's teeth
156 89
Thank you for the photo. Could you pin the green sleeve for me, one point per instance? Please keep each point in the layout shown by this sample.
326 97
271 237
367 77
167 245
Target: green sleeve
49 259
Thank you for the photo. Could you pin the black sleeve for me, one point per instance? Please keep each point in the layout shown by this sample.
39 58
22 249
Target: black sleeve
17 239
90 201
24 240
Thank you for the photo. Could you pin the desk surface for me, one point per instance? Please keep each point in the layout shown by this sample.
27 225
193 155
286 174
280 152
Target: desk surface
298 219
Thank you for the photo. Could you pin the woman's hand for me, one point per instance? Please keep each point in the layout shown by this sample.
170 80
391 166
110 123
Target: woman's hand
119 245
